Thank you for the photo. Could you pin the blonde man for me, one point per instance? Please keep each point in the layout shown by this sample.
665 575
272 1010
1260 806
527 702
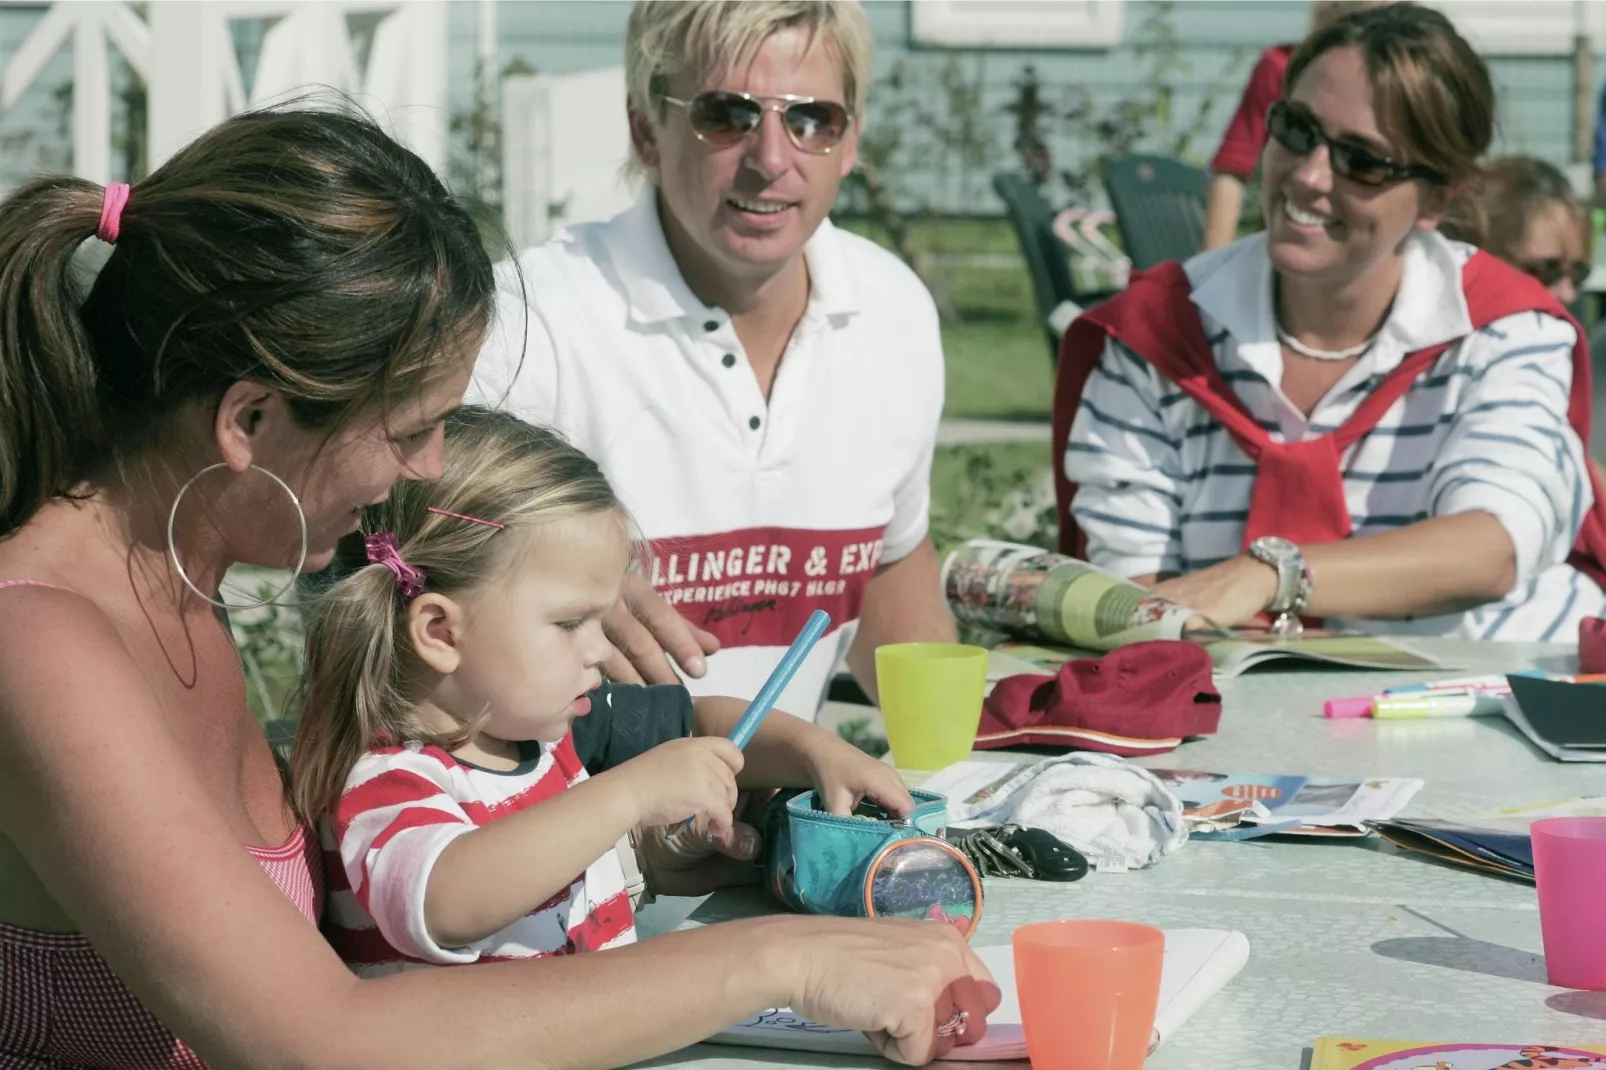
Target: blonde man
762 387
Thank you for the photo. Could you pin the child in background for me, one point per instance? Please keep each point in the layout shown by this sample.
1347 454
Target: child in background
445 673
1534 221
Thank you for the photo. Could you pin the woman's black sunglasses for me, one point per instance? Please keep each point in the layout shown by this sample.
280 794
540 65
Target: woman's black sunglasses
723 118
1298 131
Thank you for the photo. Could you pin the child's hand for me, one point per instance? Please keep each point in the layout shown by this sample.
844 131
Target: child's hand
844 776
685 778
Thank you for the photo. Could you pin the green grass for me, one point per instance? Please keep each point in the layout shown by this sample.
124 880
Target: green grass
995 372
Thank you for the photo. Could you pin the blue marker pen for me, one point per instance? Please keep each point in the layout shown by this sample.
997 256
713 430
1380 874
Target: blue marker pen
782 675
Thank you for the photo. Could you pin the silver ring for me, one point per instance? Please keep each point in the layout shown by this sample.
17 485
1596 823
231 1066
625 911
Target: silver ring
954 1024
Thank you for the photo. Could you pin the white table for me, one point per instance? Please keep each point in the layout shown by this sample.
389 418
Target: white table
1351 938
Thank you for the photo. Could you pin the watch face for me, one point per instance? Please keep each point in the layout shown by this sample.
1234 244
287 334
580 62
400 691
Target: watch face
1278 545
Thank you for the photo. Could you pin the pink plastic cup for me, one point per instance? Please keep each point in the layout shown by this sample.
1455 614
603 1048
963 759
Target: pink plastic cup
1570 865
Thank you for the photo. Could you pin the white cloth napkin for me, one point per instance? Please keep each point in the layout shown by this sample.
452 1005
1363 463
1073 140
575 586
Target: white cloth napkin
1117 814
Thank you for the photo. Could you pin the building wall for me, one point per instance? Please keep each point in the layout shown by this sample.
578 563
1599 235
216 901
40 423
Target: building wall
1218 41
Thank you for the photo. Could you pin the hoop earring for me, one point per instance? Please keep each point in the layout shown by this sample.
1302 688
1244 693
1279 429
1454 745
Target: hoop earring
172 547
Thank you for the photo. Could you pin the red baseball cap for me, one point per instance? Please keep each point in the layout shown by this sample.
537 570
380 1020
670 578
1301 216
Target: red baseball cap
1145 698
1592 645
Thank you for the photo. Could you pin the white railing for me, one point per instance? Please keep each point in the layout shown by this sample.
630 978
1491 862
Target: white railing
184 53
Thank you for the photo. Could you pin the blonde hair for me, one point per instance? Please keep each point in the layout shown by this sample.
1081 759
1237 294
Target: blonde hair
361 672
667 37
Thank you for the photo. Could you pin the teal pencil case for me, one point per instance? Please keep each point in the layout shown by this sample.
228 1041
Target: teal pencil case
870 864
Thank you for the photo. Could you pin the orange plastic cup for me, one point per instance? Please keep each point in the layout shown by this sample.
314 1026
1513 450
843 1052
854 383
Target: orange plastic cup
1088 992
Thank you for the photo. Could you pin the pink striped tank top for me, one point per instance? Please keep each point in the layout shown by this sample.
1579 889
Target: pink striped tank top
61 1005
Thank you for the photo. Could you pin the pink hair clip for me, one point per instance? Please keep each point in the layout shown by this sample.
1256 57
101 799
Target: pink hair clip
111 211
381 547
464 516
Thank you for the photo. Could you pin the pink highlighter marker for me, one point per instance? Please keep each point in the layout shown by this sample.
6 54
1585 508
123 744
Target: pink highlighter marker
1345 708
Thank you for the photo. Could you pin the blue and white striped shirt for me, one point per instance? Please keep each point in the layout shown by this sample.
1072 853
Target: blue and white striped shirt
1163 487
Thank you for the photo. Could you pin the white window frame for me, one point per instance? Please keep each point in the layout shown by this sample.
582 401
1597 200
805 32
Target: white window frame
1525 27
1017 23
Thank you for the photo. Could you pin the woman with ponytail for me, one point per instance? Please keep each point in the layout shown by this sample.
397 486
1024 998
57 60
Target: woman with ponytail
289 312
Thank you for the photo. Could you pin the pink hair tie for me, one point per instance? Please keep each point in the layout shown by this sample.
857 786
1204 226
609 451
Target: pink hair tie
381 547
111 212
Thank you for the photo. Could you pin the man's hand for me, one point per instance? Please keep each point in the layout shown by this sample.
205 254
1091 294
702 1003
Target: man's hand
694 860
646 632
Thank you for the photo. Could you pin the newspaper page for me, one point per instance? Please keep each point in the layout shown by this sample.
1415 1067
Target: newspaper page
1029 592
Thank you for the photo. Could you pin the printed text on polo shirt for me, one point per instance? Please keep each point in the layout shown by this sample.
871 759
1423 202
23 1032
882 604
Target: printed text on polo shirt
758 586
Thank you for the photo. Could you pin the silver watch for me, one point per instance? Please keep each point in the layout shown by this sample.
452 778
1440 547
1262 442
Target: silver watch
1293 582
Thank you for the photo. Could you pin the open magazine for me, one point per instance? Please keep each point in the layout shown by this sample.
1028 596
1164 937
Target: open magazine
1198 964
1344 1053
1223 805
1217 804
1499 843
1048 602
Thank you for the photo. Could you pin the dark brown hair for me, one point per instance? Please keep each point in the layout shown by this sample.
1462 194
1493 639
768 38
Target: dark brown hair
1435 101
301 249
358 689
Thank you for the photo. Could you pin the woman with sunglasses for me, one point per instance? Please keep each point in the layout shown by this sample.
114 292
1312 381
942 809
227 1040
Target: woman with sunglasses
1348 417
1235 160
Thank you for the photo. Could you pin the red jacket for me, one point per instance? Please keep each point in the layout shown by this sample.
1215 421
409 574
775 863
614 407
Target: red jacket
1299 486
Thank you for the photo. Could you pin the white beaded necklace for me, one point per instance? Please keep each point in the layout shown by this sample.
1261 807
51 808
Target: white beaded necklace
1322 354
1311 351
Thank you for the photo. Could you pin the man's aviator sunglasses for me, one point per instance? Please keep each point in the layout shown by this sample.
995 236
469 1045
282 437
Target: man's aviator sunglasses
722 118
1299 131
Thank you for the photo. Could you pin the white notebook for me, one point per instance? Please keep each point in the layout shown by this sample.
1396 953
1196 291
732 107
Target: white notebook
1198 964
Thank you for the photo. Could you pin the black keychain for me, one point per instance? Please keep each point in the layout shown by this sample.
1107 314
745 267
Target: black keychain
1016 851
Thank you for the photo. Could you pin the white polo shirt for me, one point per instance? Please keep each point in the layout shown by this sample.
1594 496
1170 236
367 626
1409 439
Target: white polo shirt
757 513
1164 488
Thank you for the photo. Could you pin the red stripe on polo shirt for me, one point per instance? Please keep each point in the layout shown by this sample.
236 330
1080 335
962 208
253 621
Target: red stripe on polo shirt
393 787
758 586
563 771
604 923
412 818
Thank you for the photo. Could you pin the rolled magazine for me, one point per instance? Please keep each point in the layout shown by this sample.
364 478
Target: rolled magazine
1035 594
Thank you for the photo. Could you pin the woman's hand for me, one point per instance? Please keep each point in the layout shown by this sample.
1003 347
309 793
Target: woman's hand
1228 594
895 980
845 776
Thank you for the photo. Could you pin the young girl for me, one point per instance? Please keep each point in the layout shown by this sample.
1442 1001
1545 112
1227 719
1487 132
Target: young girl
454 705
1535 222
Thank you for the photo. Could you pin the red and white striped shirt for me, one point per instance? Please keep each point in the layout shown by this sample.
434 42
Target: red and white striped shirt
402 805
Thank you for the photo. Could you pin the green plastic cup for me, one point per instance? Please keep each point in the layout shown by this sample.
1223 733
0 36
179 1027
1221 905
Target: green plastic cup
930 701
